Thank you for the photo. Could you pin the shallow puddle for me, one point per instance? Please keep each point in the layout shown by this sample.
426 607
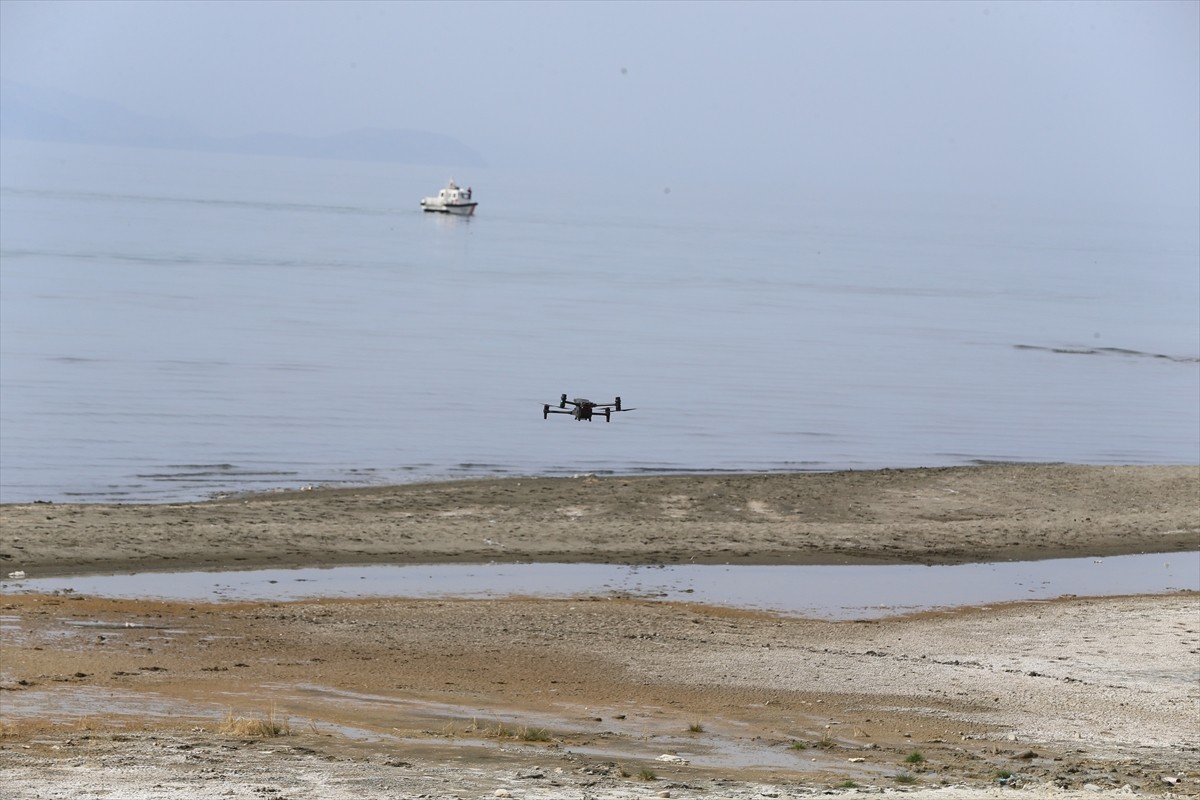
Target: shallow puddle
644 733
65 703
828 592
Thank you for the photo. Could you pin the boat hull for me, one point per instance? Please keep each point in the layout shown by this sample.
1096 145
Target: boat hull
458 209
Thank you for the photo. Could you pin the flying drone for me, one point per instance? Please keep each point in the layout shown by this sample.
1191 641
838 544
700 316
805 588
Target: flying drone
583 409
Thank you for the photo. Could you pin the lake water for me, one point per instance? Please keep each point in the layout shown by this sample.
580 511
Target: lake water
174 325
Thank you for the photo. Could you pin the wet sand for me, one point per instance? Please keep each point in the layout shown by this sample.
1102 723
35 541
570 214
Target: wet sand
606 697
921 516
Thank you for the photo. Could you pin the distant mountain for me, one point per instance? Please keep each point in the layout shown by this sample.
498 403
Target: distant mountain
47 115
404 146
52 116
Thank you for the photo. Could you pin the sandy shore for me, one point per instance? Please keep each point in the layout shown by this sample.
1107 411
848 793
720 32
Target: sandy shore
607 698
926 516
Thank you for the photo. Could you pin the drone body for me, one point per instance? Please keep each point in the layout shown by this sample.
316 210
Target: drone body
583 409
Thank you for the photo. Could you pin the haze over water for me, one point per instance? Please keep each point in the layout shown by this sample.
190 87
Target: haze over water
174 325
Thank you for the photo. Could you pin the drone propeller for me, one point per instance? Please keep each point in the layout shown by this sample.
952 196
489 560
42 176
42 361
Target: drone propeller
615 406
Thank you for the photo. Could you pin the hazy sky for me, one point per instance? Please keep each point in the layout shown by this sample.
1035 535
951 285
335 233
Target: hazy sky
1044 99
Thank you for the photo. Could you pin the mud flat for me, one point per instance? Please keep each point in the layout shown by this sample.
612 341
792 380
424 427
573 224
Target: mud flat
917 516
605 697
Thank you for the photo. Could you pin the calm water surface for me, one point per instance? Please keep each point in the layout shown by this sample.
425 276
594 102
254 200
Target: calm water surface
832 592
174 325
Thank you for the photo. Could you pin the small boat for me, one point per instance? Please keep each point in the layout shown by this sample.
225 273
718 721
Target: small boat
451 200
